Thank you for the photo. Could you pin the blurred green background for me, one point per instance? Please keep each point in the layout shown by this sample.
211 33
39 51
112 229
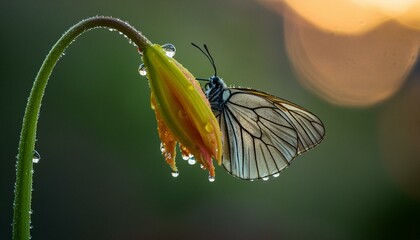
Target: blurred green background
102 176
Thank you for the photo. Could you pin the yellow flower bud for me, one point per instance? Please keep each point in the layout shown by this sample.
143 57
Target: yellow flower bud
182 111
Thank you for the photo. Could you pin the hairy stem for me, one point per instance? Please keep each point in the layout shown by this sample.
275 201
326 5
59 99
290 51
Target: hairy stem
23 185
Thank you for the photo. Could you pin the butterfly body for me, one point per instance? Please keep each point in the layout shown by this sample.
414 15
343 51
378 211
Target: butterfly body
262 133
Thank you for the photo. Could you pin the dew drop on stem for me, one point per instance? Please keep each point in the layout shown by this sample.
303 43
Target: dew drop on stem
36 157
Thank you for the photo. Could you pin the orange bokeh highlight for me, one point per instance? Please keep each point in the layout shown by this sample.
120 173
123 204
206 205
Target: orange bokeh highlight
399 138
351 70
351 16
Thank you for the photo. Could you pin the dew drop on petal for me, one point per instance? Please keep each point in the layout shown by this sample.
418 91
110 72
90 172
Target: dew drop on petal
209 128
142 70
185 157
265 178
162 148
202 167
169 49
182 114
175 173
276 174
36 157
212 178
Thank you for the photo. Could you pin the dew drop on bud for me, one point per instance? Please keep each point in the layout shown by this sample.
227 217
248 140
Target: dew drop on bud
265 178
36 157
169 49
212 178
209 127
142 70
175 173
276 174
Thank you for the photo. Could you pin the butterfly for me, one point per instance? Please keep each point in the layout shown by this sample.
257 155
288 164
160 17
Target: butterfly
262 133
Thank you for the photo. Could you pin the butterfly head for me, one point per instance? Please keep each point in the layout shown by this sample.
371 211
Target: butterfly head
215 82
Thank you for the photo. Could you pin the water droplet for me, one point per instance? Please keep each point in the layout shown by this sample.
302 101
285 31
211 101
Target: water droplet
265 178
276 174
162 148
202 167
175 173
169 49
192 161
142 70
209 127
182 114
212 178
36 157
185 157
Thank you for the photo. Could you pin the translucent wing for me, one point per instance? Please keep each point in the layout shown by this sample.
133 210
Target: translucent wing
262 134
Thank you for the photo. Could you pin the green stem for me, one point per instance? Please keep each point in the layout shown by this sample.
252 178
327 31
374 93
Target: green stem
23 186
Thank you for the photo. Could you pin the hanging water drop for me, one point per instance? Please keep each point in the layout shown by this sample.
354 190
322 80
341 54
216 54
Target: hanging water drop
276 174
169 49
142 70
202 167
162 148
212 178
36 157
185 157
192 161
265 178
175 173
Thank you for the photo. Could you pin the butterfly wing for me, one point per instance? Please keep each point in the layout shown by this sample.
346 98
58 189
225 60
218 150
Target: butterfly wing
262 134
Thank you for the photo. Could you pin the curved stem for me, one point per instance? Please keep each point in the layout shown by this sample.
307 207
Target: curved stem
23 185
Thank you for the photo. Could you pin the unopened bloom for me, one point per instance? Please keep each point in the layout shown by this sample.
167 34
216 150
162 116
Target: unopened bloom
182 111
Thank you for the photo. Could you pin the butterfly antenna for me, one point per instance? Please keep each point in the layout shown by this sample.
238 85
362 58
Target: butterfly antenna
208 55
